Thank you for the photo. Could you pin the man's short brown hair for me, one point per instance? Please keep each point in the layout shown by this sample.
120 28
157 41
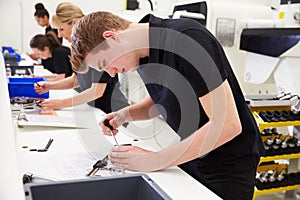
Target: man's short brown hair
87 35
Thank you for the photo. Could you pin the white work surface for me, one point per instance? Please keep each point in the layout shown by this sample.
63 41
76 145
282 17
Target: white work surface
70 142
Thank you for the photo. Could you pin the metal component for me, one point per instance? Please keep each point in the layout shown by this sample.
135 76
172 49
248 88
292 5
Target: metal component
269 141
22 116
267 147
292 141
275 146
280 176
45 149
298 143
272 178
296 107
284 143
277 140
98 165
93 172
263 177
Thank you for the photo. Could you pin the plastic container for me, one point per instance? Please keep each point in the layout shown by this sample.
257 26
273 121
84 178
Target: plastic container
23 87
7 48
125 187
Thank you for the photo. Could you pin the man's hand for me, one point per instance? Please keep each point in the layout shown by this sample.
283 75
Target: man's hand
115 119
135 158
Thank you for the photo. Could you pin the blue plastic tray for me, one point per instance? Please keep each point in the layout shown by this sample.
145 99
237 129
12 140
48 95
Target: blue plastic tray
23 87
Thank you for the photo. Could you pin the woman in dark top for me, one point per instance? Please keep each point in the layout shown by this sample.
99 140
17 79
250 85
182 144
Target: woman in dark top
41 15
55 57
98 89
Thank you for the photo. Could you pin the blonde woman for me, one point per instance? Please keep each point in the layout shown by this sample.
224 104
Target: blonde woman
98 88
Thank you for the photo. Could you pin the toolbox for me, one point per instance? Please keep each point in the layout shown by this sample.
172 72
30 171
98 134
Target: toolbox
125 187
23 87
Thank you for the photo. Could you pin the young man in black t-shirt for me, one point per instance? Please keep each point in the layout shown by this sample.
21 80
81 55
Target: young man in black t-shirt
190 83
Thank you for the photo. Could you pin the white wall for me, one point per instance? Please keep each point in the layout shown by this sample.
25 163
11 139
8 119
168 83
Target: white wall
13 19
18 24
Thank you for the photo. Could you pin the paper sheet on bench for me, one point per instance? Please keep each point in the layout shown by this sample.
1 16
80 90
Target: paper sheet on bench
52 121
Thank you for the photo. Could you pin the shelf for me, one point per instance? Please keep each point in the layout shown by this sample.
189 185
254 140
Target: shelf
280 157
269 103
273 190
263 125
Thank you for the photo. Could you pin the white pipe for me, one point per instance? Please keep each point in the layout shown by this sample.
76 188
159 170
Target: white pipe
22 27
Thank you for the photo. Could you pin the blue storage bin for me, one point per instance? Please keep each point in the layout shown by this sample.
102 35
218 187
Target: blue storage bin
9 49
23 87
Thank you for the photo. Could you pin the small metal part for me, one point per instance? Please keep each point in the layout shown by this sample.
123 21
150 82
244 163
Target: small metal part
48 144
298 143
280 176
272 178
22 116
275 146
269 141
296 108
277 140
267 147
263 177
284 143
291 143
116 170
98 165
32 149
93 172
45 149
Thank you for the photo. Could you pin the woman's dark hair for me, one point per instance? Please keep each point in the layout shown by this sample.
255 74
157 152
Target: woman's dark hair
40 11
41 41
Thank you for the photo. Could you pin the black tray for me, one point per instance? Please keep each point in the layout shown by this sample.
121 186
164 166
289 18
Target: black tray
125 187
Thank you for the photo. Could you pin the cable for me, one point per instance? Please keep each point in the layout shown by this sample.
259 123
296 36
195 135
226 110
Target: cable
151 5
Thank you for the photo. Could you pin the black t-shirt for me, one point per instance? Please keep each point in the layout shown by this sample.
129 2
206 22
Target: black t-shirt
54 30
112 98
59 63
186 62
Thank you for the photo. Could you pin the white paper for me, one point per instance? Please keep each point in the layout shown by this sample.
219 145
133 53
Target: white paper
53 121
258 68
76 166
